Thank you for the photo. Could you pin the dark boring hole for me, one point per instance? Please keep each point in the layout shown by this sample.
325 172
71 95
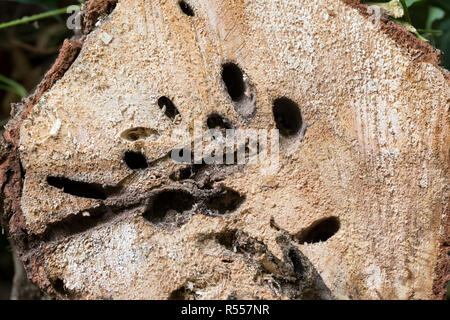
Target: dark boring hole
179 294
186 8
296 261
168 203
227 260
59 286
78 188
169 107
320 230
225 201
77 223
287 115
216 121
227 239
135 160
233 77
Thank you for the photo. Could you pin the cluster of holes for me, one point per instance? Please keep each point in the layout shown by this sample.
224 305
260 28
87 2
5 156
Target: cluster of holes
320 230
173 208
288 120
286 113
135 160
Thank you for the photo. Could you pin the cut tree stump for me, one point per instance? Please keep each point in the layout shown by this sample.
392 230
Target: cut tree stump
357 209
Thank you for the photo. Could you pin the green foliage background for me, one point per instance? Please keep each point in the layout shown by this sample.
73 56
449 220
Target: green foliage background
432 19
434 15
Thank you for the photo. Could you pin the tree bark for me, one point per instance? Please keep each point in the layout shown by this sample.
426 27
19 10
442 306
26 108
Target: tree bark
22 288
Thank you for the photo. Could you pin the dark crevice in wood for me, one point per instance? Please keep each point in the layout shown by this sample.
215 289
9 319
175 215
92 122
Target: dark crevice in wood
287 116
186 8
239 90
135 160
168 107
82 189
320 230
224 201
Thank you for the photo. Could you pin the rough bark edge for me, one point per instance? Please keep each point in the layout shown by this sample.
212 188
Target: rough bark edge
11 172
96 9
23 288
443 262
403 38
11 180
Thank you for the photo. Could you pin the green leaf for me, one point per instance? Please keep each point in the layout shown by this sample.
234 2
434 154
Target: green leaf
405 7
11 85
53 13
409 3
443 42
444 4
391 8
434 14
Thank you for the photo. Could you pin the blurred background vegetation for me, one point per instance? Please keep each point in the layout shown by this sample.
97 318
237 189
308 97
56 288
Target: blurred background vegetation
27 51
